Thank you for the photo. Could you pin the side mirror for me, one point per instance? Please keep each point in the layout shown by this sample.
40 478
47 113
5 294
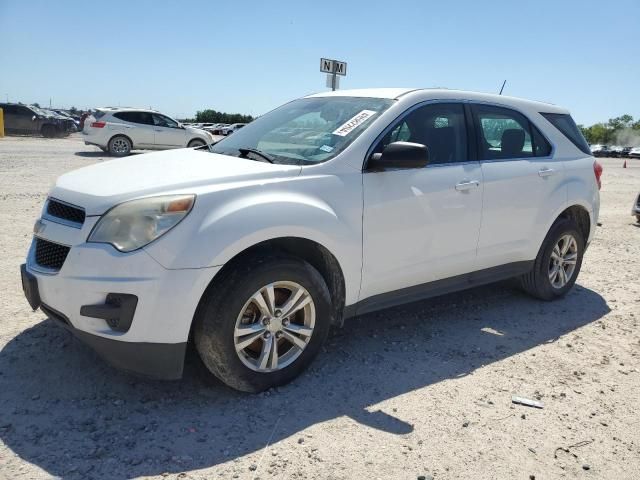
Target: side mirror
399 155
33 119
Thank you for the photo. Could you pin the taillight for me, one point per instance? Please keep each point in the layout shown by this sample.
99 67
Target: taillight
597 171
98 124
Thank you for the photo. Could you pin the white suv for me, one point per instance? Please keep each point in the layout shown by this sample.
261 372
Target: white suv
234 127
120 130
328 207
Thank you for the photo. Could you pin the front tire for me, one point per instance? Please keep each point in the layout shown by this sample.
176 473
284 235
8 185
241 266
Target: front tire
196 143
558 263
120 146
263 323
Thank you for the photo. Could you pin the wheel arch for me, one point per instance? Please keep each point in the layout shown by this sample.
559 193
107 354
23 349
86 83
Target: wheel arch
199 139
580 214
120 135
310 251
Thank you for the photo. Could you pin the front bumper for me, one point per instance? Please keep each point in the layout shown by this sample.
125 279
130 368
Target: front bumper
162 361
152 342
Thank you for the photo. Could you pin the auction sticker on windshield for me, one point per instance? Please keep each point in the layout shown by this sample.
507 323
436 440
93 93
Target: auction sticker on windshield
353 123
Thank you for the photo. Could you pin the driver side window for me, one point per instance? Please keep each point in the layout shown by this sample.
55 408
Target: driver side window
439 126
162 121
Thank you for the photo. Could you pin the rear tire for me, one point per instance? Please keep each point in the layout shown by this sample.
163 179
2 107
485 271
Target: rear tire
120 146
228 310
558 263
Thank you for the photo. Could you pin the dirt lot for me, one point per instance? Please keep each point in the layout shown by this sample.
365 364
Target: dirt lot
422 390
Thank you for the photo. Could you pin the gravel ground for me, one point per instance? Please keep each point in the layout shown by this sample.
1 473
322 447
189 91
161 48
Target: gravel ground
421 390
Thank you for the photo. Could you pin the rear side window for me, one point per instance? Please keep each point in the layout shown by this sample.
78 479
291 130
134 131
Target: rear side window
143 118
507 134
569 129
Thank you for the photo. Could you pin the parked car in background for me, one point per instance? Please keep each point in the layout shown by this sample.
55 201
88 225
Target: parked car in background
28 119
634 152
68 116
625 151
601 150
120 130
213 128
615 151
635 210
68 124
252 249
234 127
217 130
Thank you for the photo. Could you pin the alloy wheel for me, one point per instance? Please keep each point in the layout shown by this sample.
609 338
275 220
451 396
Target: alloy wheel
274 326
562 264
120 145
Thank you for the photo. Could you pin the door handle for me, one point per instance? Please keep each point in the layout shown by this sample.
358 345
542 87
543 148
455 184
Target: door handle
157 129
466 185
545 172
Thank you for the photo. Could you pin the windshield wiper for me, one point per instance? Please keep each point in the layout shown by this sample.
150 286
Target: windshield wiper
266 156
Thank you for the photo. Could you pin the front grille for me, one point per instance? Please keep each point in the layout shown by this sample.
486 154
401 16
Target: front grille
67 212
50 255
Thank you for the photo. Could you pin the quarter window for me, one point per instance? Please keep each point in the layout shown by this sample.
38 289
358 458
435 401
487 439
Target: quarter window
569 129
440 126
507 134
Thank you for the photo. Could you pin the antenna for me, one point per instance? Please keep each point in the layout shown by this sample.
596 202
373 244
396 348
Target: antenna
502 88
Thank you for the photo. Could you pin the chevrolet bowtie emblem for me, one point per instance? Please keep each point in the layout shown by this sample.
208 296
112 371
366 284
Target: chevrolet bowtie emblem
39 227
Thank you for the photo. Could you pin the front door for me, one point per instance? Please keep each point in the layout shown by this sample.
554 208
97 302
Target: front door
168 133
422 225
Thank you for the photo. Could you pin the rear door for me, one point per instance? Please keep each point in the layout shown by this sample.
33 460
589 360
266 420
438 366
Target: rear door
523 185
167 132
138 126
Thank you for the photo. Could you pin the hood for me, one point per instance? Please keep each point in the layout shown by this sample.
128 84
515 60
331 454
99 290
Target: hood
101 186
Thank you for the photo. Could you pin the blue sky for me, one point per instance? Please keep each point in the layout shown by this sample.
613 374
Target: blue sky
250 56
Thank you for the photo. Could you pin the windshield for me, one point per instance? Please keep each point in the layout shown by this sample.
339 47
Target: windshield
306 131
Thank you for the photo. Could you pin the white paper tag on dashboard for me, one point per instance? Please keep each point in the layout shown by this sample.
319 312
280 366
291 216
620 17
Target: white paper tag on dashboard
353 123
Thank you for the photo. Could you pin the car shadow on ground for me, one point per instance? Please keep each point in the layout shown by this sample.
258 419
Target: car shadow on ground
67 412
101 154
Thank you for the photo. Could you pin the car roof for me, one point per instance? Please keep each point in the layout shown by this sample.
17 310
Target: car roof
421 94
126 109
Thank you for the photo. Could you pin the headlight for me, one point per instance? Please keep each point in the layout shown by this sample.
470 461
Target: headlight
132 225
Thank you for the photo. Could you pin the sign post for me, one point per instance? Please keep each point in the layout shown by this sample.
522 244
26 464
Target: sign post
333 68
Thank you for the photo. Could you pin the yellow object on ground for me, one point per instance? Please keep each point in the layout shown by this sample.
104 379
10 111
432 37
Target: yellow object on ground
1 123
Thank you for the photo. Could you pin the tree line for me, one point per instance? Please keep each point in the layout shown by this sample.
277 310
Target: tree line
213 116
622 130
